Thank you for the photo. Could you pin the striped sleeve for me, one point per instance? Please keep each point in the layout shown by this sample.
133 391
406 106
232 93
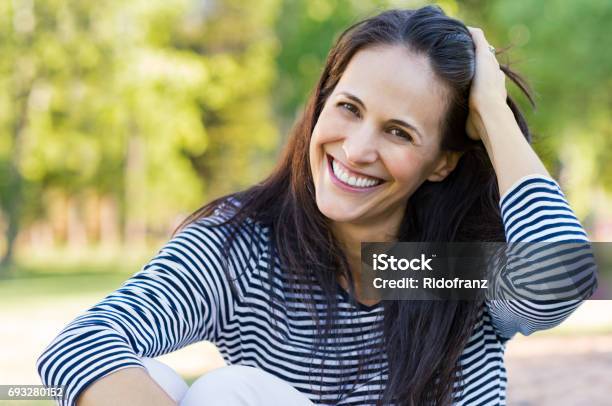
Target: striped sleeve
548 268
180 297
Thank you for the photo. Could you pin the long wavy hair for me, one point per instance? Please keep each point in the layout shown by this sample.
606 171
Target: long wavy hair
422 341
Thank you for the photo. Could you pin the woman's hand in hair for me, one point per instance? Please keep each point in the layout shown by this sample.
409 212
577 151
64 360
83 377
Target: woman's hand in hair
488 91
491 120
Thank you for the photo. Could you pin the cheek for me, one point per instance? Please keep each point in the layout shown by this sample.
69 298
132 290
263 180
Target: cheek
318 138
315 146
329 128
407 167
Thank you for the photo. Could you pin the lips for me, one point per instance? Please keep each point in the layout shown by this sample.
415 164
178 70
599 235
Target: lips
350 180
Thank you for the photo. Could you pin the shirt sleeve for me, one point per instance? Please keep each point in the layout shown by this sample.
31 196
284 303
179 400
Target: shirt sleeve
180 297
543 282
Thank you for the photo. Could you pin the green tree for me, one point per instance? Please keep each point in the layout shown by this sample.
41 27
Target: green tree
161 104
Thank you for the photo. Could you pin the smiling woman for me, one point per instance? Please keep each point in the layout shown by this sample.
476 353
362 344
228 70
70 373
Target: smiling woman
409 136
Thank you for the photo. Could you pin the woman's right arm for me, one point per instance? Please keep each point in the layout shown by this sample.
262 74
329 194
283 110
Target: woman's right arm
180 297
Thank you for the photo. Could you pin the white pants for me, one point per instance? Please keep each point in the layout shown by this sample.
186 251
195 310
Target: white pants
234 385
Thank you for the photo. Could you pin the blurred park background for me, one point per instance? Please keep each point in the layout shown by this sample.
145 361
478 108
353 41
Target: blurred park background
119 118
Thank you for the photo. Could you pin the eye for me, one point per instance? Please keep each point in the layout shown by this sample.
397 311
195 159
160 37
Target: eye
398 132
350 107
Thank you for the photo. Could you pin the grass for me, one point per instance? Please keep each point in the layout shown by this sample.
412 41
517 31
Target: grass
44 277
34 289
52 286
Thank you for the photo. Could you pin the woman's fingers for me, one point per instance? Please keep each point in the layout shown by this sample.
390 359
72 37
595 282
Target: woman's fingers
482 45
488 88
479 37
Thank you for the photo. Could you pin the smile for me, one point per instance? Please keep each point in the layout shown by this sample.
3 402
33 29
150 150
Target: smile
349 180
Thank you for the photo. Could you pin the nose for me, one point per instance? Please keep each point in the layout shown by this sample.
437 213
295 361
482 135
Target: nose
360 146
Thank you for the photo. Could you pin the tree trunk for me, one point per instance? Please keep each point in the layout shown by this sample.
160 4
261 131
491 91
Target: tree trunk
13 202
135 192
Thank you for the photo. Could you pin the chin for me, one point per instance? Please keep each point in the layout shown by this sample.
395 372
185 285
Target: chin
330 208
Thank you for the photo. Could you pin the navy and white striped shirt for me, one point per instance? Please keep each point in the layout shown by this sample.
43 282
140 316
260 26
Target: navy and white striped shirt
183 296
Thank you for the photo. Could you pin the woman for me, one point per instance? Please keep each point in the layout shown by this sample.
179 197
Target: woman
408 136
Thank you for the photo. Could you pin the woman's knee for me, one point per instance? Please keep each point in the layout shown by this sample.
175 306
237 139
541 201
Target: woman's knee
167 378
239 385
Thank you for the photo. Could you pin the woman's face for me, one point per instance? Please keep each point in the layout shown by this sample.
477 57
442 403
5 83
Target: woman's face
377 138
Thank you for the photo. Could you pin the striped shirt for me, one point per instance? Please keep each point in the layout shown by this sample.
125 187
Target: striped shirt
183 296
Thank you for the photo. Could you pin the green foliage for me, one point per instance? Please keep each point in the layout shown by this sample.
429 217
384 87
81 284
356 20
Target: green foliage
153 102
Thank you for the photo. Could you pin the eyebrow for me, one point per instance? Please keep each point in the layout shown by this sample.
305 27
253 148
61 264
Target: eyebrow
394 120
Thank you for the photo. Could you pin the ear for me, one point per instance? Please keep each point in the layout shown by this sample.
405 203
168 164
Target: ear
445 164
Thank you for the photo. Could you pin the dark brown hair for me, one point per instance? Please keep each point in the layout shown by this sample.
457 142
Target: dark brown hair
423 340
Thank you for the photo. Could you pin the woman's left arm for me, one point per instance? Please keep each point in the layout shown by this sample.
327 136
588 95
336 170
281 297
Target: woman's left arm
544 287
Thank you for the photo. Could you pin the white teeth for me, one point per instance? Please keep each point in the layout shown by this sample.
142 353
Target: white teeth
355 181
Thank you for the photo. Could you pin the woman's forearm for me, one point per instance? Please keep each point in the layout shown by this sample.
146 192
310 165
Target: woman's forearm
510 153
129 386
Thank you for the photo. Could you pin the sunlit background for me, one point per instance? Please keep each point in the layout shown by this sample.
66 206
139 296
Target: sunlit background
119 118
